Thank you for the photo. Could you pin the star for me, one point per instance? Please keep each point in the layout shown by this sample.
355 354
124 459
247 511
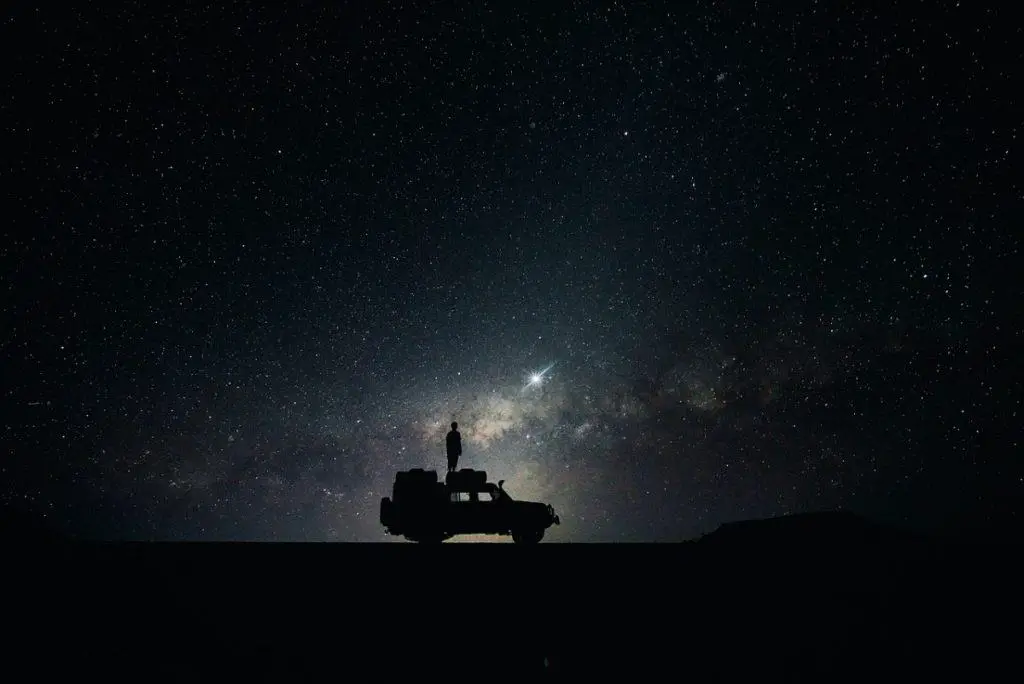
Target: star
537 377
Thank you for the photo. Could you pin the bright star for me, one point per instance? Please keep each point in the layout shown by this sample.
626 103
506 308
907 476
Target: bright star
538 377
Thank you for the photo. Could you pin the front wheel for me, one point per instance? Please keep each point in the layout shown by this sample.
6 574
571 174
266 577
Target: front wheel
527 536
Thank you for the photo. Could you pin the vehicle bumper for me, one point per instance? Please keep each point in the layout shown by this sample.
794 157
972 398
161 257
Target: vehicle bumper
551 515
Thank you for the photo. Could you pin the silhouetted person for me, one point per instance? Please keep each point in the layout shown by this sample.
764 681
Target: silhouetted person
454 444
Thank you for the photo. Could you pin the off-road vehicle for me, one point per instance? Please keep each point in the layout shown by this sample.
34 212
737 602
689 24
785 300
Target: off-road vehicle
422 509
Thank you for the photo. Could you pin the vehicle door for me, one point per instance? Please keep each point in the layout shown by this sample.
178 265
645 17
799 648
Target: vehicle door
462 514
488 512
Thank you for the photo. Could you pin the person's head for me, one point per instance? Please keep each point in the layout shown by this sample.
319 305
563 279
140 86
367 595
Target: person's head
455 426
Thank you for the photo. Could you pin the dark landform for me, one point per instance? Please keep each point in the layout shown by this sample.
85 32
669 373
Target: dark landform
806 597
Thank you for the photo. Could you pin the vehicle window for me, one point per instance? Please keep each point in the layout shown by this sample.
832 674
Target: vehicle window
460 496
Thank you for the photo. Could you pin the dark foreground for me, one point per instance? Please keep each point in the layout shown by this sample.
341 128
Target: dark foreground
743 607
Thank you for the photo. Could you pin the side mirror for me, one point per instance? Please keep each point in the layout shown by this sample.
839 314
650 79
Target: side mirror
500 483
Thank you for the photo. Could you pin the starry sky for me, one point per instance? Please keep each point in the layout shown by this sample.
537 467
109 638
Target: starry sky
257 257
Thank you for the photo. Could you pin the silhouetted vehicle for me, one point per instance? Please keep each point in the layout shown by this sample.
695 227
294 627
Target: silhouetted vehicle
422 509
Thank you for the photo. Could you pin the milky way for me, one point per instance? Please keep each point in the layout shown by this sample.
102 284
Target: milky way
761 260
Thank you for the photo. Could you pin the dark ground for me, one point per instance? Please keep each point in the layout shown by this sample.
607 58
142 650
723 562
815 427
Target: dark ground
811 599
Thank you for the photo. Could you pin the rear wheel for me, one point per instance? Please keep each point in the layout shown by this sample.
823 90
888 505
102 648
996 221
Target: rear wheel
427 537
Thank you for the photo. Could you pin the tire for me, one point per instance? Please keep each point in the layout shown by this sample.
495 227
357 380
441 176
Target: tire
527 536
430 539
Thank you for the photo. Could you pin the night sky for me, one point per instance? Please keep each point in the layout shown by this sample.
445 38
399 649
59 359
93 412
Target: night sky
256 258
